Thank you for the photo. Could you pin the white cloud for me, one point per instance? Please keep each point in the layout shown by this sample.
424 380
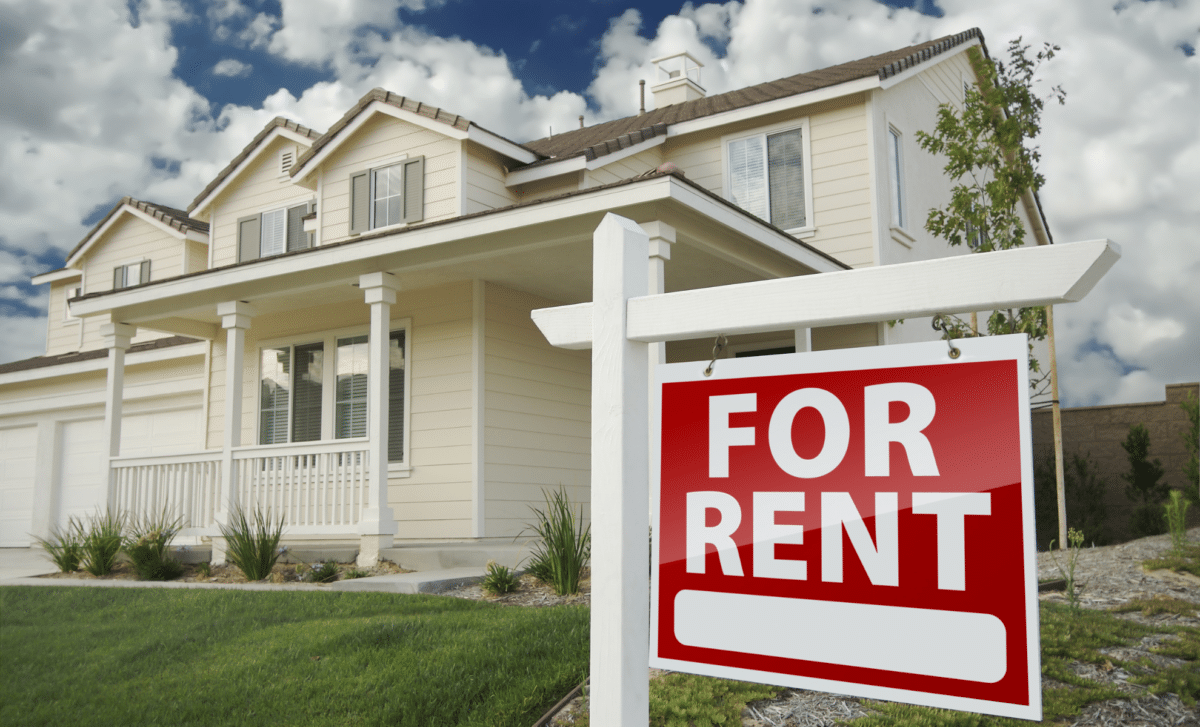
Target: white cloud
233 68
23 336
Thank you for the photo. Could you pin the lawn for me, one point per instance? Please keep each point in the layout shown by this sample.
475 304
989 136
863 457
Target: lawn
109 656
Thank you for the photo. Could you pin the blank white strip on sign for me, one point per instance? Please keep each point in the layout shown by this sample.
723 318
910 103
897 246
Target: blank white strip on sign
921 641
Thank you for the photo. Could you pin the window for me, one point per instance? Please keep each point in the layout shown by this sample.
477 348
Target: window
274 232
767 177
386 196
296 389
896 177
72 292
127 276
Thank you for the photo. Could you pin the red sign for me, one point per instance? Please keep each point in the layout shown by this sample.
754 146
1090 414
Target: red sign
851 521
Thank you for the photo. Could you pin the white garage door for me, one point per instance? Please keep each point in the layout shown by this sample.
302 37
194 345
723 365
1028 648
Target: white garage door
83 469
18 454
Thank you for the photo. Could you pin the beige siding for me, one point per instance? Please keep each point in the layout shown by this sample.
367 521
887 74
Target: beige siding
855 336
537 414
197 256
62 335
130 240
840 172
485 180
626 168
380 141
434 501
259 188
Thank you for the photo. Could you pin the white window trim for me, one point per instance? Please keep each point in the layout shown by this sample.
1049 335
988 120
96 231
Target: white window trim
900 232
810 227
329 383
376 166
67 317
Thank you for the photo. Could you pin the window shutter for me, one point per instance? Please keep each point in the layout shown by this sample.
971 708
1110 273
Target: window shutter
118 277
144 274
297 238
414 189
360 202
249 235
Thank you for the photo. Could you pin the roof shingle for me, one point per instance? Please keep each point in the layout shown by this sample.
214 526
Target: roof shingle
177 219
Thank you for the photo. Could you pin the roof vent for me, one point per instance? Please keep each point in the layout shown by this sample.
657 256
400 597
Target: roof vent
678 79
286 159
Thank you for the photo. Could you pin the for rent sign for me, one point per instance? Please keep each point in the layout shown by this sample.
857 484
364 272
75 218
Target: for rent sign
856 521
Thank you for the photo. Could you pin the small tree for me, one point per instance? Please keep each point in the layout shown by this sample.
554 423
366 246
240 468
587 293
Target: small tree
1145 485
991 156
1191 440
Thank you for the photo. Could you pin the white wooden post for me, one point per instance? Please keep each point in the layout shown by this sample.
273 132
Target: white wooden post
620 630
235 319
378 523
803 340
117 338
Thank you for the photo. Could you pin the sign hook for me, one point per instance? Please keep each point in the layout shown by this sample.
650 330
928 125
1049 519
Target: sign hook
718 347
939 324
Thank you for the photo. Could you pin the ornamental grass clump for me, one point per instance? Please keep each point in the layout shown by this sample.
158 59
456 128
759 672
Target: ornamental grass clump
326 572
102 543
253 547
65 546
498 579
148 547
564 544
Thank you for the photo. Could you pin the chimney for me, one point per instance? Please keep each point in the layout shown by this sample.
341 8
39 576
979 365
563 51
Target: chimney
581 121
678 79
642 91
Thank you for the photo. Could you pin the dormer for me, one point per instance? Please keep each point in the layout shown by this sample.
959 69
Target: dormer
678 79
393 161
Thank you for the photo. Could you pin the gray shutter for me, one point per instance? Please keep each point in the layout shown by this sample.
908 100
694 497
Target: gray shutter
144 275
360 202
249 238
118 277
297 238
414 189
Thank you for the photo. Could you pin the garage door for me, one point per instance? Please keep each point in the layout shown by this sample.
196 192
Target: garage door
18 454
83 469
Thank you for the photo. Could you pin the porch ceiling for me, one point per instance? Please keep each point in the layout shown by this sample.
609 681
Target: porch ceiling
544 249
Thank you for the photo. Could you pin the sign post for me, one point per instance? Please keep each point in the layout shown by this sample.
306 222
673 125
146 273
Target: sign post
622 320
856 521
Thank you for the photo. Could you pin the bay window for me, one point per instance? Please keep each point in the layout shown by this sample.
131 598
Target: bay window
767 176
302 399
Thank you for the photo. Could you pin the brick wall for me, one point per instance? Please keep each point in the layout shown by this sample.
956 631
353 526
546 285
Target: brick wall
1098 431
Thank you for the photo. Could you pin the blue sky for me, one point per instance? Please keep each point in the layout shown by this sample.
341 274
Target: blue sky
151 98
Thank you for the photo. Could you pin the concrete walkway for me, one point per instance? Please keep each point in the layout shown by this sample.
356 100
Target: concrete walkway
21 566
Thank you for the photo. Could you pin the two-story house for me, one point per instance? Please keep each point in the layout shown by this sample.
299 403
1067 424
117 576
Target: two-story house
237 354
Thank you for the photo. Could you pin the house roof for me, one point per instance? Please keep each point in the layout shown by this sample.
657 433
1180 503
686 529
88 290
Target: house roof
38 362
249 149
168 216
404 103
605 138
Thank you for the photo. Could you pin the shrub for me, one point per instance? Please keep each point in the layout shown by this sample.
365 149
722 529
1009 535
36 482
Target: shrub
148 547
1084 490
326 572
564 545
1176 517
253 548
498 579
65 547
1191 441
102 542
356 573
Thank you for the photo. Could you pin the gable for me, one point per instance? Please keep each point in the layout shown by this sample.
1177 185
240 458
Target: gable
129 240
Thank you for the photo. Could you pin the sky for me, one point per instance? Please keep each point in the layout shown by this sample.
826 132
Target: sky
151 98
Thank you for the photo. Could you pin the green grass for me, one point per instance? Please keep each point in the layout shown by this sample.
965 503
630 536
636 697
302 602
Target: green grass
107 656
1186 560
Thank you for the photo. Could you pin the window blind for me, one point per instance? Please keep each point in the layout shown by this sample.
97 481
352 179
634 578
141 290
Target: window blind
747 177
274 394
396 397
306 400
785 154
274 232
350 400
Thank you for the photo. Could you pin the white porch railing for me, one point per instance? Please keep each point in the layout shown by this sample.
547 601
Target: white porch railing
318 487
186 486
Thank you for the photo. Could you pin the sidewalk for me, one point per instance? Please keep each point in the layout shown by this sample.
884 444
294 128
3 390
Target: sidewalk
21 566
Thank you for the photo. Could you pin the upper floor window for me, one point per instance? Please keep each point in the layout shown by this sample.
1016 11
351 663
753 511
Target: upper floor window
767 177
303 399
386 196
72 292
274 232
896 177
127 276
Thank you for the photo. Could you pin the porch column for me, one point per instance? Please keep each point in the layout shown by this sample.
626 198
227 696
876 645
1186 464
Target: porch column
803 340
235 319
116 339
378 523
